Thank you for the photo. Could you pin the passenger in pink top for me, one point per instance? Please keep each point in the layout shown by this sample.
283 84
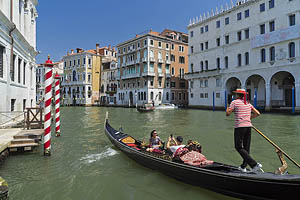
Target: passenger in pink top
244 112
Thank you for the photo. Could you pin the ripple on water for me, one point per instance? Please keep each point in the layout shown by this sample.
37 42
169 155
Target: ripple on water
90 158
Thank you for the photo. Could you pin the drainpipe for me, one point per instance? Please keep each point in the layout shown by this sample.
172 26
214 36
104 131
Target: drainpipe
11 37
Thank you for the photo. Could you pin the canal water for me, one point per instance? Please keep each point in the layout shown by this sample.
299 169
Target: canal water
85 165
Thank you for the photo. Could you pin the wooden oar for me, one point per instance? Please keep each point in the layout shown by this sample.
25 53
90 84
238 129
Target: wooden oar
277 147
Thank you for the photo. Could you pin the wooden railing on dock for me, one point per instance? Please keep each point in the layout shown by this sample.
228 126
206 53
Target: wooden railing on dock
33 119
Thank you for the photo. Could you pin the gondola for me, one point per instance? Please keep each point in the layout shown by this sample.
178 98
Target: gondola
218 177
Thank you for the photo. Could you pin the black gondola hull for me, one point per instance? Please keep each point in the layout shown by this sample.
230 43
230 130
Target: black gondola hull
241 185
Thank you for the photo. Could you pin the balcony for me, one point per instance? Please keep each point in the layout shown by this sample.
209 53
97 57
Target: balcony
123 64
148 73
129 76
131 62
137 61
168 75
160 60
168 62
160 74
152 59
145 59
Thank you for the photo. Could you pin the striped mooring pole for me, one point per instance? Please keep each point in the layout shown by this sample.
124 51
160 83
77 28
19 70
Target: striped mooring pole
57 105
48 95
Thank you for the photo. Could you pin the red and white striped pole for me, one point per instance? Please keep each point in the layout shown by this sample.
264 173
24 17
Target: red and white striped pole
57 106
48 94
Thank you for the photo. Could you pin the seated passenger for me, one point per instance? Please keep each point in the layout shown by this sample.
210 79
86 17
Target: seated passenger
175 145
154 142
194 156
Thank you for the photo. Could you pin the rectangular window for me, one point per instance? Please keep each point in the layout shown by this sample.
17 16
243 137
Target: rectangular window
202 46
206 65
12 105
218 63
227 39
151 42
192 33
218 82
206 28
239 36
239 16
1 61
159 44
262 7
205 83
272 26
192 49
292 20
239 57
226 62
218 24
262 29
247 35
12 69
218 42
247 13
24 73
202 30
271 4
206 45
226 20
19 70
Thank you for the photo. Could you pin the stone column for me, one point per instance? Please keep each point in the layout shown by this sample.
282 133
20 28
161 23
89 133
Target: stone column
297 95
268 97
27 23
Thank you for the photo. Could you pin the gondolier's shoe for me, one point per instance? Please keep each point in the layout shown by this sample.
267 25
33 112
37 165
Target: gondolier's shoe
242 169
258 168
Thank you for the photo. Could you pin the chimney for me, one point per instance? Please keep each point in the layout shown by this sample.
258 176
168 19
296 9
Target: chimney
97 49
72 51
109 47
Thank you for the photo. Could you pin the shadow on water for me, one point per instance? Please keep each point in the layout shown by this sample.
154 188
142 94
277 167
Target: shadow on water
85 165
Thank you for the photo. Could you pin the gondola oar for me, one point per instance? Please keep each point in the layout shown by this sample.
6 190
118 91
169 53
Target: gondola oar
277 147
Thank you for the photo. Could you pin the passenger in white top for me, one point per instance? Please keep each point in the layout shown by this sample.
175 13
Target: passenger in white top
173 144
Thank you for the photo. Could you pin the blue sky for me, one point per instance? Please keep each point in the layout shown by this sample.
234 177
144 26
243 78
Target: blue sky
69 24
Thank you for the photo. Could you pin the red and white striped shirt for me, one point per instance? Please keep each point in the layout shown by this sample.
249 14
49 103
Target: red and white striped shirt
242 113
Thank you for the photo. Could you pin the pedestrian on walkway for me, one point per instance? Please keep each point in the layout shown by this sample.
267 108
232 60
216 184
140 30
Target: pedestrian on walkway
243 112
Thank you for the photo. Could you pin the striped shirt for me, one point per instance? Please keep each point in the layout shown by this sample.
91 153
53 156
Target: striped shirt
242 113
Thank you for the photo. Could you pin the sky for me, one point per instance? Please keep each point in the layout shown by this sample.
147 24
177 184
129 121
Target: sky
63 25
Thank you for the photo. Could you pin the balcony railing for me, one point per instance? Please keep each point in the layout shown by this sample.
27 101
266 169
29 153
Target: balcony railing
148 73
152 59
129 76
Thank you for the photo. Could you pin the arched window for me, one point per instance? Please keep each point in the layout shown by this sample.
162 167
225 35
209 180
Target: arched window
247 58
239 58
159 96
292 53
263 55
151 95
145 96
167 96
272 53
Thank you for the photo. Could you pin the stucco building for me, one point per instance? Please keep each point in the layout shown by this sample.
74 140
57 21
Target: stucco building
252 44
17 56
152 67
81 80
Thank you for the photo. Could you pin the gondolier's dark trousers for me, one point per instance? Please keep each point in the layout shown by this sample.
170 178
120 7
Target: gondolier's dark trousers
242 140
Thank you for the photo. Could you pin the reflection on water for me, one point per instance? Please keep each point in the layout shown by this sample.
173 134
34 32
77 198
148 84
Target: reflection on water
85 165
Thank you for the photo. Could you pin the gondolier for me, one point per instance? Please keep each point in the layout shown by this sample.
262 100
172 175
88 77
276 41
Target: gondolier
244 112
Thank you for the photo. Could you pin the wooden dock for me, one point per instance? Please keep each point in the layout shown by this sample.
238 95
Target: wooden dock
26 140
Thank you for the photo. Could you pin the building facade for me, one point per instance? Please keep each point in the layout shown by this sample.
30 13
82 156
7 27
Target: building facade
58 68
17 56
81 80
108 90
152 67
253 45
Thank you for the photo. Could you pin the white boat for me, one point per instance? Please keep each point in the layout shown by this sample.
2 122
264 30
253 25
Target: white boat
166 107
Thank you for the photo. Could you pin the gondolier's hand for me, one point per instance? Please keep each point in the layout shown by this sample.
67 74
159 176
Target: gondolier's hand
228 111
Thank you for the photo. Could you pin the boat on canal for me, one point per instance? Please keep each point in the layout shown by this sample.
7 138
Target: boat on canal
166 107
146 108
218 177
